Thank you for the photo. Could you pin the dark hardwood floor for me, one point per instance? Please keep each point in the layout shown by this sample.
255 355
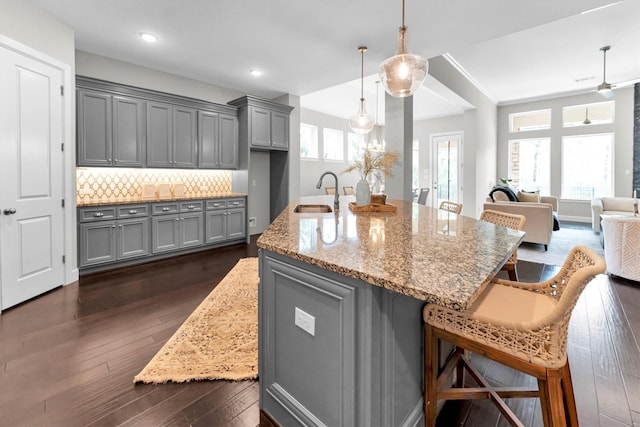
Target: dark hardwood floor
68 358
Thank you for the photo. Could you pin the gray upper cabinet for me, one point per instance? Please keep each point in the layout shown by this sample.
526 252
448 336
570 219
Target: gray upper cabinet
217 140
110 130
264 124
120 125
184 137
171 136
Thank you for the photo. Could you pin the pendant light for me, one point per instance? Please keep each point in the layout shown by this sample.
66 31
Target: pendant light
586 118
403 73
376 138
605 89
361 122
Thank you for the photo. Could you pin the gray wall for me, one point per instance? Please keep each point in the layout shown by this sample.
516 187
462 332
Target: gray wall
623 143
480 136
101 67
37 29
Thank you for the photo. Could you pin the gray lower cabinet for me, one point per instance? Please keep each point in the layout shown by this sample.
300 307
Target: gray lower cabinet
225 220
108 234
122 233
177 225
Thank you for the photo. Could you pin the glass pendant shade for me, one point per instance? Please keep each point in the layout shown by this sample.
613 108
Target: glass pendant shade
403 73
376 139
361 122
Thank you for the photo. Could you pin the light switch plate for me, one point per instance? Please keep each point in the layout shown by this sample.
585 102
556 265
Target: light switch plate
305 321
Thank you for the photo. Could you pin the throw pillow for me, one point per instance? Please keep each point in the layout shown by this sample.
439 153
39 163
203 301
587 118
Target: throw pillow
526 196
503 189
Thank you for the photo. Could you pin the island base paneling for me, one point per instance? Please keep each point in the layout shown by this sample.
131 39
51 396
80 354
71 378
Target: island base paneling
360 366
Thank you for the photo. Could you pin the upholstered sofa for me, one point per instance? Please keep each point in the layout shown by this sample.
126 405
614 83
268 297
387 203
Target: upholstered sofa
540 215
622 246
620 206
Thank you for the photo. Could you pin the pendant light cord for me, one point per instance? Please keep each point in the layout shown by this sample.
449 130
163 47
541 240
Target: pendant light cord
362 49
402 13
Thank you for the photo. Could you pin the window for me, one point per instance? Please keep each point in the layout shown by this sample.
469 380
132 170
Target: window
587 166
530 164
333 144
588 114
308 141
355 146
530 120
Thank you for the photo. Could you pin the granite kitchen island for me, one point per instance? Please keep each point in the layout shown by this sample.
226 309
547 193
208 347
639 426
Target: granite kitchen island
340 306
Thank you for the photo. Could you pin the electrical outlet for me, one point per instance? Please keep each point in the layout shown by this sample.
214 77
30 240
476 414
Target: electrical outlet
252 222
305 321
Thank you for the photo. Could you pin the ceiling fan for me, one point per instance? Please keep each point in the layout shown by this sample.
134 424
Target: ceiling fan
605 89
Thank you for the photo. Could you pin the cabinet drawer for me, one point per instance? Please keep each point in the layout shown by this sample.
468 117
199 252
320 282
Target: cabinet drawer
164 208
97 214
216 204
235 203
133 211
193 206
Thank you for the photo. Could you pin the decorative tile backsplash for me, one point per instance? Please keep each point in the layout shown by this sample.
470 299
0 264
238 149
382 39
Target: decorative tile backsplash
131 185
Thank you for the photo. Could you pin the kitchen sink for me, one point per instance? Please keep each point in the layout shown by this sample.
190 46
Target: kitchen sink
312 209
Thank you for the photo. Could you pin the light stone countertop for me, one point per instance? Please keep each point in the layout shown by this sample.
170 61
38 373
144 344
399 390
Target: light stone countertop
418 251
115 201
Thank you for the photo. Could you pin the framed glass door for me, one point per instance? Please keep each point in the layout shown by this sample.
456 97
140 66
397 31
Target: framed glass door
447 168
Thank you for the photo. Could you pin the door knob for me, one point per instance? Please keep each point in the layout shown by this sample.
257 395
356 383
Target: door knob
9 211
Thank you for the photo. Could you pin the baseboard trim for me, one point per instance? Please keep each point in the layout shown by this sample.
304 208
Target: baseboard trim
571 218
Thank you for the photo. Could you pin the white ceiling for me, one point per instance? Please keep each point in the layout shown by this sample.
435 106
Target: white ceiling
514 50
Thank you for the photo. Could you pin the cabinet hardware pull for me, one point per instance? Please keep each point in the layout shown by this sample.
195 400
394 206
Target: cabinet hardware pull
165 209
9 211
98 214
133 211
236 203
190 207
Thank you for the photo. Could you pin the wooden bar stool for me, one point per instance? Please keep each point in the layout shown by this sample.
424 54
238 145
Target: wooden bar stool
513 221
454 207
520 325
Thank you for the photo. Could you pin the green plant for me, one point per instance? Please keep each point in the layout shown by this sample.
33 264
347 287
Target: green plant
506 181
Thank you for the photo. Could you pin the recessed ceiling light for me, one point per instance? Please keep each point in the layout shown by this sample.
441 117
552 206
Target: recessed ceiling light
148 37
256 73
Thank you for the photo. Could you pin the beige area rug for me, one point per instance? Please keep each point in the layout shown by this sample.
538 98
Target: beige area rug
562 241
219 340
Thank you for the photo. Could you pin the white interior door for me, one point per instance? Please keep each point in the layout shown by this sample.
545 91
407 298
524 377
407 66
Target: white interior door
447 168
31 178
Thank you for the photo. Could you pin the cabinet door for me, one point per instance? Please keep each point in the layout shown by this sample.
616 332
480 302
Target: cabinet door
216 226
279 130
184 137
236 224
165 233
228 158
133 238
159 135
97 243
94 129
128 132
260 127
191 230
208 144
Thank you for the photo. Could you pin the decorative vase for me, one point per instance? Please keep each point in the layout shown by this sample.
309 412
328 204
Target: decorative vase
363 194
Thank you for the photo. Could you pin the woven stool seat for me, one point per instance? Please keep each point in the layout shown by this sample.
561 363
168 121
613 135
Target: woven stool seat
509 220
520 325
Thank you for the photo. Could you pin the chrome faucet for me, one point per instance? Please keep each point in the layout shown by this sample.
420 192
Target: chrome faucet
336 202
